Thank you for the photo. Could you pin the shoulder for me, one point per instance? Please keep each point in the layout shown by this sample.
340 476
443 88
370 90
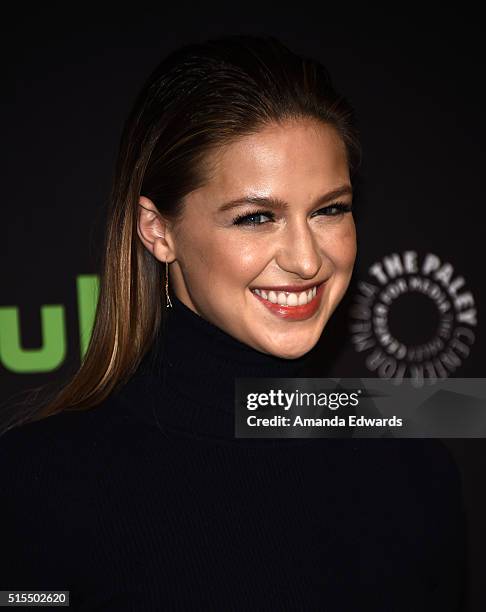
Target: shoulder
37 453
70 423
73 441
415 487
424 458
418 473
420 481
432 464
118 412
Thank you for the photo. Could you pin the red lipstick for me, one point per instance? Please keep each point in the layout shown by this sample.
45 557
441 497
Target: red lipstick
294 313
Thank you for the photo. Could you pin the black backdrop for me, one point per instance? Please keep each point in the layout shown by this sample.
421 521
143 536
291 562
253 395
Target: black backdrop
416 82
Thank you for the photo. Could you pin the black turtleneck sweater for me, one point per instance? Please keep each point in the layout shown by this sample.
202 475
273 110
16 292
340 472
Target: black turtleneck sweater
149 502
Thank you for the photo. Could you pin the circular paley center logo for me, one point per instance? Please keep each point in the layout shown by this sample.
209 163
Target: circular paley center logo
413 318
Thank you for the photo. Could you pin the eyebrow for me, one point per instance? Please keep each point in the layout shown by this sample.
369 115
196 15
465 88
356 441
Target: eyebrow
277 203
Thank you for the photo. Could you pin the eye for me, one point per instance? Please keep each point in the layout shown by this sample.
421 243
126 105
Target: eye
253 218
334 210
257 217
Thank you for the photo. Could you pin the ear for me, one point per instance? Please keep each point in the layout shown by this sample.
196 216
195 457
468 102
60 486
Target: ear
154 231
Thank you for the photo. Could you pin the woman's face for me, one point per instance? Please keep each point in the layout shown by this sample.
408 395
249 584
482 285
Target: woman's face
296 240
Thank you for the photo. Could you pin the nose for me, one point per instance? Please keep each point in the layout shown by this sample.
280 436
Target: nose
298 251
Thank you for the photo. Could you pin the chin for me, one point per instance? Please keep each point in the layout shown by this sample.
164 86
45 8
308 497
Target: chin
291 352
297 346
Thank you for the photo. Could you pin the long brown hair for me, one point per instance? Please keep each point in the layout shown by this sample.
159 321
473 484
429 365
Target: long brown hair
200 97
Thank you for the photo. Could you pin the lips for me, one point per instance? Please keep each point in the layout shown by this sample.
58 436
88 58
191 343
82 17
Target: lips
295 305
289 288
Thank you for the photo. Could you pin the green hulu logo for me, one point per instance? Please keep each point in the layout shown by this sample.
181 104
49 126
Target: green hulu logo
52 353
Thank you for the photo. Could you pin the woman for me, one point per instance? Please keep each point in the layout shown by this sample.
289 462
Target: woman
230 242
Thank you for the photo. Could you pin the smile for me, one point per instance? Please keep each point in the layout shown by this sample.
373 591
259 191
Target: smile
288 298
292 305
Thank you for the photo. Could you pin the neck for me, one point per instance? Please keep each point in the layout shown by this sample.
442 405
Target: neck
194 365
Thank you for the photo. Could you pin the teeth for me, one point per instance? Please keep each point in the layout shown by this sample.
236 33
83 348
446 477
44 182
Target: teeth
292 299
302 298
287 298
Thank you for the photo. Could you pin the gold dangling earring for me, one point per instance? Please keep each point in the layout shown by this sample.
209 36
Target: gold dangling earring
168 303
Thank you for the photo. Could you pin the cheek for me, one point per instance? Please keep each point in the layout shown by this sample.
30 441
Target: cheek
247 255
243 256
339 246
341 250
225 259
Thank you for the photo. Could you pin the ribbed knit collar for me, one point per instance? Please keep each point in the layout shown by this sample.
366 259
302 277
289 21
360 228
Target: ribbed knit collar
188 376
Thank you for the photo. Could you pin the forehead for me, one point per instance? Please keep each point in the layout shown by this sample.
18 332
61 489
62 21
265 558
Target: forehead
292 160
